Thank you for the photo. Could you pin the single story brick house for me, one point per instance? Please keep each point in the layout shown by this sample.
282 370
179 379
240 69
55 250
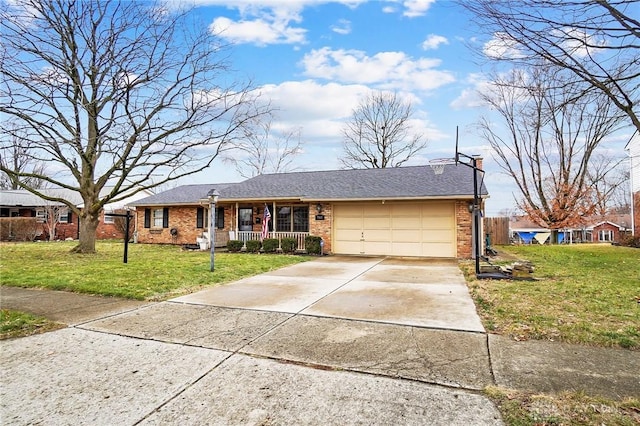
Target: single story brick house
24 204
403 211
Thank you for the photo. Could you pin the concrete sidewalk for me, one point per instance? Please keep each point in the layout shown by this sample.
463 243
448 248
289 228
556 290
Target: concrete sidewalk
155 363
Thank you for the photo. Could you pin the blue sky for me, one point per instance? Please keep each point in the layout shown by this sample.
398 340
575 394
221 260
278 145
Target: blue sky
315 60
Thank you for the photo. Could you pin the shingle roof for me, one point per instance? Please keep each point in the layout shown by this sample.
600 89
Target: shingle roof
185 194
21 197
416 182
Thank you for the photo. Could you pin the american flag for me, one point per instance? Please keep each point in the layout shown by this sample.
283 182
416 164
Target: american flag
265 222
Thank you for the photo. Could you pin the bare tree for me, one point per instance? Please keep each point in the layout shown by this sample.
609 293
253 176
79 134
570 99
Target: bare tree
114 92
14 156
265 150
379 133
608 177
598 41
550 137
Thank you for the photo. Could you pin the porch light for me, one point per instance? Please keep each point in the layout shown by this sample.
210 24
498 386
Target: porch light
319 208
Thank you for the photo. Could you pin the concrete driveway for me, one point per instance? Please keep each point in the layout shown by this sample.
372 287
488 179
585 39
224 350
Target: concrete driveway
406 291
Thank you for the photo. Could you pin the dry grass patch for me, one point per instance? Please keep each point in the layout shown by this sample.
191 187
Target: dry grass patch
528 409
586 294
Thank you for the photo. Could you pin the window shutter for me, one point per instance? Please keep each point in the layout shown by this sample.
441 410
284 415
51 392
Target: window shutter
147 218
70 217
200 217
165 217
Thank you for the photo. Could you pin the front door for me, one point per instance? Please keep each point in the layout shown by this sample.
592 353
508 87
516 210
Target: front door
245 219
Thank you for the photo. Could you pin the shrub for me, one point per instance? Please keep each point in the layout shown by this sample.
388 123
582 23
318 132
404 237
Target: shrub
234 246
253 246
312 244
20 229
630 241
270 245
289 245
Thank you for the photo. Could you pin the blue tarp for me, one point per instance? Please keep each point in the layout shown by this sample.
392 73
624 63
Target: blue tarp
527 237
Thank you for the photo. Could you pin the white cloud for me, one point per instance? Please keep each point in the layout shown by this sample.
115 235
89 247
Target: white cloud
415 8
265 21
258 31
384 70
434 41
342 27
577 42
502 46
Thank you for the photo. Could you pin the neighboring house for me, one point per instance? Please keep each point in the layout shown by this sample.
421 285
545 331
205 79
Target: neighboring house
633 147
24 204
404 211
595 230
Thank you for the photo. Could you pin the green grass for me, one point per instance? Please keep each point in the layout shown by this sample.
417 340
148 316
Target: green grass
153 272
584 294
19 324
570 408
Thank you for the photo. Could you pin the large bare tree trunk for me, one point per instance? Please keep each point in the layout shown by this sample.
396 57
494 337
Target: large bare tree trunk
88 225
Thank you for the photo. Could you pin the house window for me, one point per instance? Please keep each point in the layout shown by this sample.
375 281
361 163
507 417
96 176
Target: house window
293 219
63 215
245 219
108 218
202 220
156 218
220 218
605 235
41 215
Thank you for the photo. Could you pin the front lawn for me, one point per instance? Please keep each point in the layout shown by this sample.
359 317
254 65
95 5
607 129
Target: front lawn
153 272
587 294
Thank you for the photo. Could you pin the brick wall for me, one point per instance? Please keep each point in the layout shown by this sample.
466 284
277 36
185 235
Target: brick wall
182 218
463 229
321 228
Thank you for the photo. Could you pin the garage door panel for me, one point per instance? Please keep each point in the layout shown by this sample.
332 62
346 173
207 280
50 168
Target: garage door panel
351 234
376 222
407 249
405 222
377 247
377 235
405 236
432 249
348 222
437 209
440 235
398 210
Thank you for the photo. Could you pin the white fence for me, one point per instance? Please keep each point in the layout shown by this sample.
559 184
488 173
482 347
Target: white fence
245 236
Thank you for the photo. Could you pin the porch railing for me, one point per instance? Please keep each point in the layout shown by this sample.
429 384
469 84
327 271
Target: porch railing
245 236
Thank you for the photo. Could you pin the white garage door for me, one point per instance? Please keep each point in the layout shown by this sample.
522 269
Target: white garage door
395 229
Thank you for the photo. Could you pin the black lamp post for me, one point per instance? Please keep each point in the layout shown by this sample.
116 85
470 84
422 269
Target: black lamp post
213 199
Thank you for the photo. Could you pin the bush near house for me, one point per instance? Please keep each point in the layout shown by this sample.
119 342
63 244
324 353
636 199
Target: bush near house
234 246
253 246
270 245
630 241
288 245
19 229
312 244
